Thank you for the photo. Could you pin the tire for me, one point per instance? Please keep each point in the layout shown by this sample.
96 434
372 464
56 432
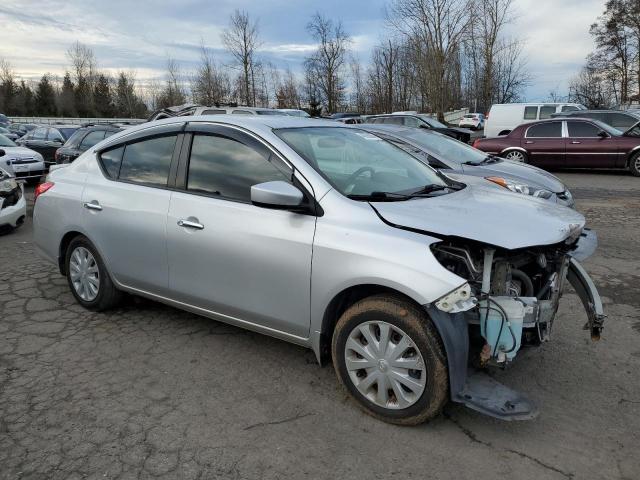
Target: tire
423 349
92 295
634 165
515 155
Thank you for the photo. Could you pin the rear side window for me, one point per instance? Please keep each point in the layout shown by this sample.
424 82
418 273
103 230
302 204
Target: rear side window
569 108
393 120
545 112
582 130
214 112
241 112
148 161
410 121
530 113
55 135
227 168
545 130
111 160
91 139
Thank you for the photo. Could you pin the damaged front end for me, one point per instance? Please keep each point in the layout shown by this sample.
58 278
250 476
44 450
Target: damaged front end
509 302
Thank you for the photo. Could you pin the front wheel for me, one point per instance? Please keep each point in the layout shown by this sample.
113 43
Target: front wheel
515 156
389 357
88 278
634 165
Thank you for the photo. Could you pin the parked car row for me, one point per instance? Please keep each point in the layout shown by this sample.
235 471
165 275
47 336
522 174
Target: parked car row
428 255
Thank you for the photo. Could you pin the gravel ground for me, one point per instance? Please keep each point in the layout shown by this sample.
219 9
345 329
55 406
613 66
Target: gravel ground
147 391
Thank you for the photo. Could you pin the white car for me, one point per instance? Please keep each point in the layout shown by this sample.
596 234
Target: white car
13 207
472 120
504 117
21 162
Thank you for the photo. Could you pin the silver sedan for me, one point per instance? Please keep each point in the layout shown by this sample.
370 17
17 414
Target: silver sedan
326 236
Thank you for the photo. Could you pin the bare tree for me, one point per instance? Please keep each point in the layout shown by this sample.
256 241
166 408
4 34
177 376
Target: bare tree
327 63
173 92
241 39
358 86
210 86
287 95
84 69
437 28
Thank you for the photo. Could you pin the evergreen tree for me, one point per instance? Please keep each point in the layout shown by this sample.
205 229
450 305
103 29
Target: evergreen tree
67 99
45 97
84 98
102 97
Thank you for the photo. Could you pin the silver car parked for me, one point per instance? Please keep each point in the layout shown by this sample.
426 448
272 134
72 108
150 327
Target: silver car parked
326 236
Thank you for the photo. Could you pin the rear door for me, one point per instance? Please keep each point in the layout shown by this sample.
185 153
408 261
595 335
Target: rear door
126 202
37 140
244 262
545 145
585 149
54 141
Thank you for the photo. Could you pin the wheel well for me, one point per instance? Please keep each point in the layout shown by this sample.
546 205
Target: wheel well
64 244
512 149
631 156
340 303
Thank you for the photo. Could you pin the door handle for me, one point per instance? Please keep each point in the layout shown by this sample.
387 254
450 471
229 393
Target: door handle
529 142
190 224
92 205
575 143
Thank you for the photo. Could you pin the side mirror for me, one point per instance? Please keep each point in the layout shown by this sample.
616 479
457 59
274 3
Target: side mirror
278 195
603 134
424 125
2 153
57 140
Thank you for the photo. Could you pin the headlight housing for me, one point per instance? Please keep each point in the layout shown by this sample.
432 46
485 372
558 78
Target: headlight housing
8 185
521 188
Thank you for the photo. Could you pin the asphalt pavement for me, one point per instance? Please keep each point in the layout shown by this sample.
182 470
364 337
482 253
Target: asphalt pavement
148 391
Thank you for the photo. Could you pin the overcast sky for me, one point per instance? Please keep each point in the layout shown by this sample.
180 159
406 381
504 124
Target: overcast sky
139 35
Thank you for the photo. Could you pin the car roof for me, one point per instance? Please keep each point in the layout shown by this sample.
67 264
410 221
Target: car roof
256 123
61 126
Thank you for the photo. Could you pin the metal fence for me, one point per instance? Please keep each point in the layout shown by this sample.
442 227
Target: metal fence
73 121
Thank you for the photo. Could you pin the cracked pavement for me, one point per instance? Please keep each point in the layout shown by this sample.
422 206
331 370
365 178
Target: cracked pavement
148 391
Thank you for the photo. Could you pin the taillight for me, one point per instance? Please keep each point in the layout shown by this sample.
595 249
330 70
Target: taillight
41 188
475 143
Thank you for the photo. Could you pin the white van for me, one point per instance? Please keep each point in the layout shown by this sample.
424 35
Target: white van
504 117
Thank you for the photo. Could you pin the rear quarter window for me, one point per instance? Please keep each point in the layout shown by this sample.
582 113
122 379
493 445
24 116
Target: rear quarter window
110 161
148 161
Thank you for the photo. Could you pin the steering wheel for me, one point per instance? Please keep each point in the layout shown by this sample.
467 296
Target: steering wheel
351 180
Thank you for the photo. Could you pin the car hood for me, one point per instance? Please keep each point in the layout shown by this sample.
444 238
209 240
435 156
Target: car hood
19 152
486 214
520 172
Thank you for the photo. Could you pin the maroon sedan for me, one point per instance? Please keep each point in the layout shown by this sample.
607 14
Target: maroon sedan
568 143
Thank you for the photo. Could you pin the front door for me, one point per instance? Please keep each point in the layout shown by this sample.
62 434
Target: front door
544 145
226 255
586 149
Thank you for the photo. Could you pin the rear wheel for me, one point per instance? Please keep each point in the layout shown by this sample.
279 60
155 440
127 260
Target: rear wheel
515 156
634 165
88 278
388 355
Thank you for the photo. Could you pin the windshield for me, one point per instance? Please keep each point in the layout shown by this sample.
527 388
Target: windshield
4 130
5 142
357 162
432 121
444 147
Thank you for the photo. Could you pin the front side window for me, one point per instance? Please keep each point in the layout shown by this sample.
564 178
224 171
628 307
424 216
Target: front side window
530 113
545 130
582 130
227 168
241 112
91 139
54 135
356 162
410 122
40 134
148 161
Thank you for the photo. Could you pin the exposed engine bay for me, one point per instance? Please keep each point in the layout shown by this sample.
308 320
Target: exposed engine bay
511 296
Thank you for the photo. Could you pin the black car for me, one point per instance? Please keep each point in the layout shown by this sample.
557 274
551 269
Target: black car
83 139
420 120
622 121
47 139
